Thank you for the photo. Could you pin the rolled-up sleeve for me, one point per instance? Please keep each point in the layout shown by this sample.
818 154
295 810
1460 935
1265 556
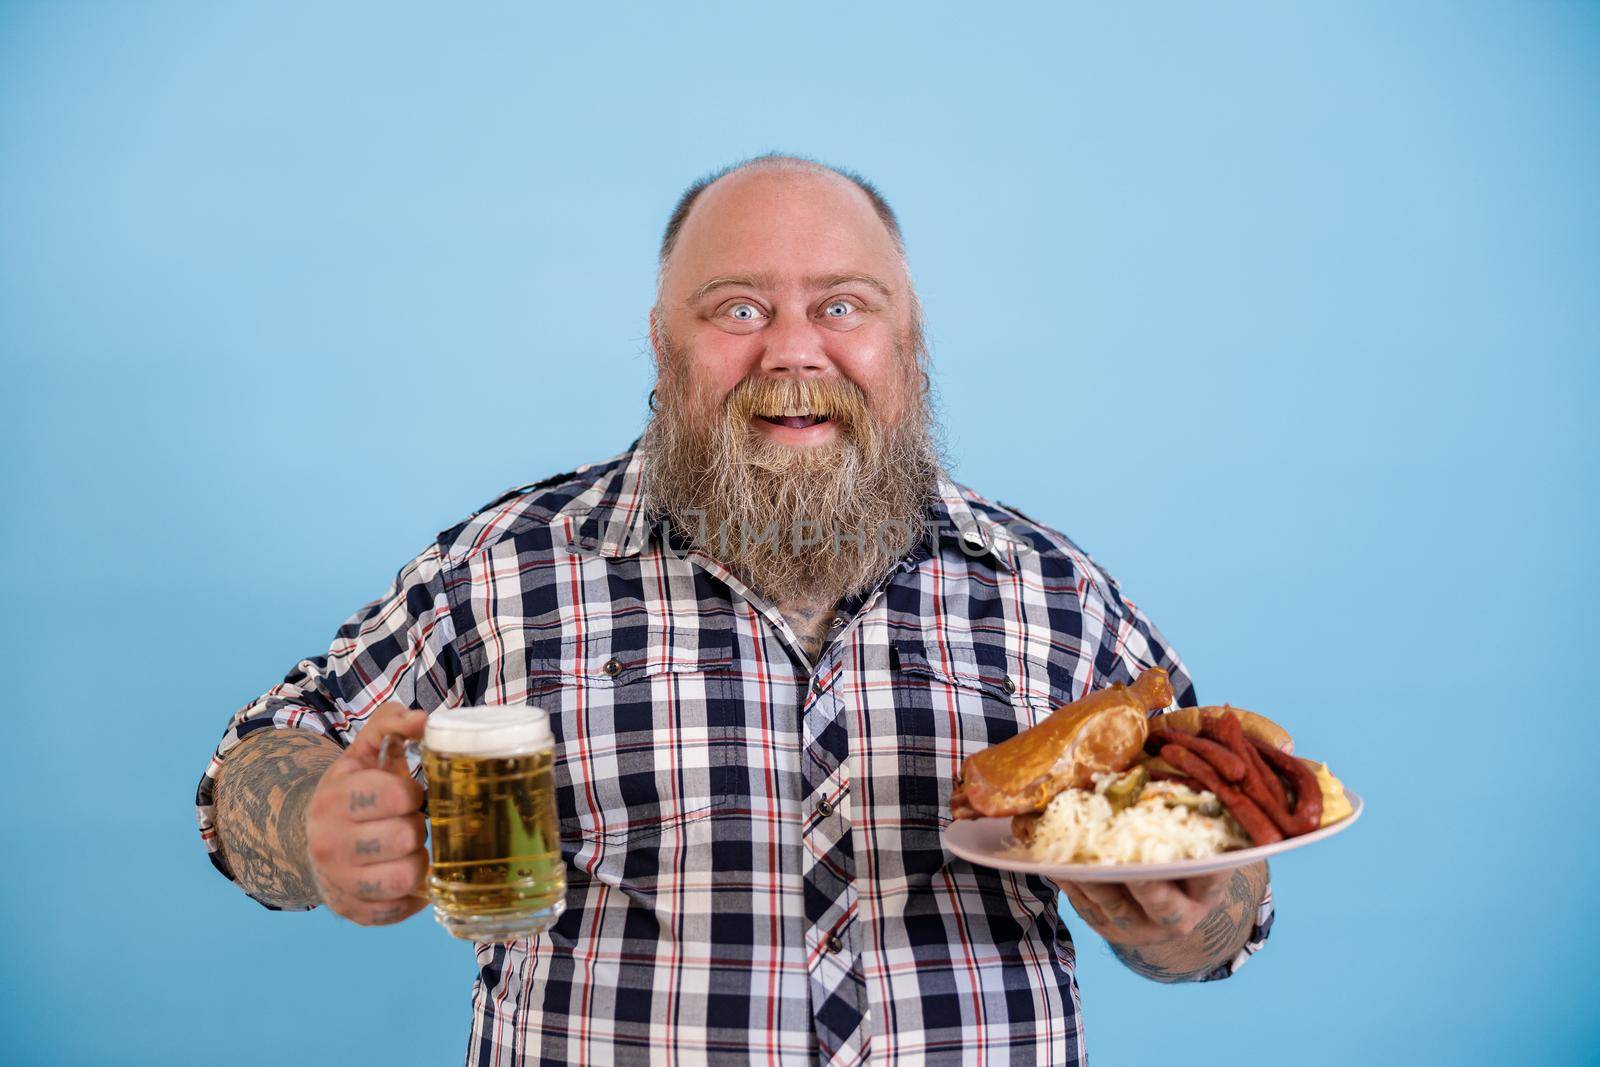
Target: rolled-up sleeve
399 647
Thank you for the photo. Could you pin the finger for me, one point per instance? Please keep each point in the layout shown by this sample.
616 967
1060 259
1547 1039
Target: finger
390 880
386 913
1163 902
1109 897
365 795
375 841
1082 904
389 719
1091 914
381 723
1207 888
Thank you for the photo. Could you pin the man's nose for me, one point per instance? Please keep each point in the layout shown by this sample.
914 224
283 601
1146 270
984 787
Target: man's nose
794 348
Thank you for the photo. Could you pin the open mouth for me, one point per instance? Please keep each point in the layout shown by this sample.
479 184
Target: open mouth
796 421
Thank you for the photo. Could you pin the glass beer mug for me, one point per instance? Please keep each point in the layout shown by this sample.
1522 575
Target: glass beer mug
496 872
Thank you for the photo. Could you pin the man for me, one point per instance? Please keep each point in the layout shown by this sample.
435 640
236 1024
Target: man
766 636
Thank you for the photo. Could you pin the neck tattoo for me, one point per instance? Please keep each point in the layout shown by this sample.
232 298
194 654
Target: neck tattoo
810 619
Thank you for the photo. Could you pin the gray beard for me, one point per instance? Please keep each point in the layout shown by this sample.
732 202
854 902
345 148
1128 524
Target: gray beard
824 522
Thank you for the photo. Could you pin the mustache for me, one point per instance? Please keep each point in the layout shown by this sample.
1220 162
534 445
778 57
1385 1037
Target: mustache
840 399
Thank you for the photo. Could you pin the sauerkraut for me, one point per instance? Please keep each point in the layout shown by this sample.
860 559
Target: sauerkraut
1165 824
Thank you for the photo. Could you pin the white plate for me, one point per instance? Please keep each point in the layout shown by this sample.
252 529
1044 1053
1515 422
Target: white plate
988 843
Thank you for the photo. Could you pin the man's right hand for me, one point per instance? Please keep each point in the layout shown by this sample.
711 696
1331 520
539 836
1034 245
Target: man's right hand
365 829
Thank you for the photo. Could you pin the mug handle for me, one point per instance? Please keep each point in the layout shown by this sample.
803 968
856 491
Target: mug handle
405 749
408 747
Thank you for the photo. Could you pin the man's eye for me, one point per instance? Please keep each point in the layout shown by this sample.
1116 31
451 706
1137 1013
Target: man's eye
744 312
838 309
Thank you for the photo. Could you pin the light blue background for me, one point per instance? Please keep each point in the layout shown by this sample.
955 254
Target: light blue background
1286 313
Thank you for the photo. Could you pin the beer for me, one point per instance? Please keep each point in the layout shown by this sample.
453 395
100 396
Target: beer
497 872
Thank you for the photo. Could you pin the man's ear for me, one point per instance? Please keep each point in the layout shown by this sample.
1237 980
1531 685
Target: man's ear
656 344
658 349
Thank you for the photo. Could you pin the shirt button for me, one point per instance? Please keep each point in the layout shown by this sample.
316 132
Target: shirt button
836 625
1010 686
612 667
817 686
834 944
824 809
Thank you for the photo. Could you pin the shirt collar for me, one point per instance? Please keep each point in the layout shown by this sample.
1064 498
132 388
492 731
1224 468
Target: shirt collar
618 523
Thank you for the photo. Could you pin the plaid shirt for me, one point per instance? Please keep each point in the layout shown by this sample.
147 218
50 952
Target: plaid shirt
753 842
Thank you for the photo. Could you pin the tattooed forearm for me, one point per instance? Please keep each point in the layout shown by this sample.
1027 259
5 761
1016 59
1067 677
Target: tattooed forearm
261 797
1217 939
1138 964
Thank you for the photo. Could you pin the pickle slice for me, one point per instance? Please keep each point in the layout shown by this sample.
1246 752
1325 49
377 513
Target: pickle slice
1123 792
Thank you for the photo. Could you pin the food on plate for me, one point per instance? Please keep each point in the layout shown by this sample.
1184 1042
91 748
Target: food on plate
1101 732
1245 811
1102 781
1189 721
1335 805
1307 813
1167 821
1229 763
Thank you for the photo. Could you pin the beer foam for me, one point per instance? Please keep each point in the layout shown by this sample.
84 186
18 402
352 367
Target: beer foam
489 730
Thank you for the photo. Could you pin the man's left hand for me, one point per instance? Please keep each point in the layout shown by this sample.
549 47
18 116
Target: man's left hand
1147 913
1173 931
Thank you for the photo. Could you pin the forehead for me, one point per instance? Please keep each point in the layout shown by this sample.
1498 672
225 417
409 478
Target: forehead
790 225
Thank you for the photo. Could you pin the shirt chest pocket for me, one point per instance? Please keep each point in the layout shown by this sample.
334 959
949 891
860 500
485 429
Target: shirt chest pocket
952 699
642 721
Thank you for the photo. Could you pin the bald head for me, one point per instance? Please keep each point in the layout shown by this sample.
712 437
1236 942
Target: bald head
775 162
